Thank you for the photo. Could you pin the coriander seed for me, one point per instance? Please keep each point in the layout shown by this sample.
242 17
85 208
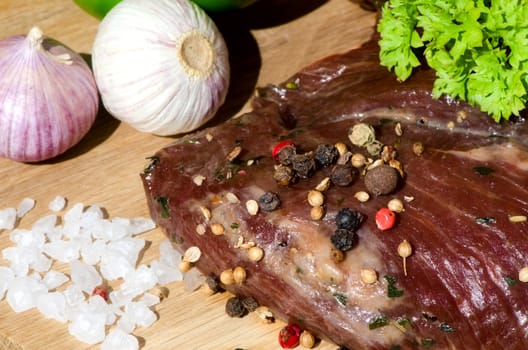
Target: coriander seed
405 250
252 207
239 275
307 340
317 213
358 160
418 148
368 276
315 198
523 274
395 205
255 253
341 148
184 266
217 229
362 196
226 277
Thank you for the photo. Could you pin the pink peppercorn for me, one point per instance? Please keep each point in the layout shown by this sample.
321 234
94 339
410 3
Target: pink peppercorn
385 219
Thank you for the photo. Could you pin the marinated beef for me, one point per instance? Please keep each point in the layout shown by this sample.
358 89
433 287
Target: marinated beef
462 177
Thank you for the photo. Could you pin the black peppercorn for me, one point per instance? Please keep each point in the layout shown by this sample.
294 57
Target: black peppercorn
250 304
326 155
304 165
348 219
343 175
286 154
214 284
284 175
343 239
235 307
381 180
269 201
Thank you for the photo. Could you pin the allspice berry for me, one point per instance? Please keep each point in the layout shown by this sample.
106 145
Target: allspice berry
382 180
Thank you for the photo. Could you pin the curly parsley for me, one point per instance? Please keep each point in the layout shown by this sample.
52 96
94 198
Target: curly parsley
478 49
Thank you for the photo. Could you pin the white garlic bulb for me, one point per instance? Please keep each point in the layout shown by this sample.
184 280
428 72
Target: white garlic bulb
160 66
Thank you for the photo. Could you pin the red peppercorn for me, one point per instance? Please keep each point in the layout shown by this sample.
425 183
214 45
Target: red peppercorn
280 146
385 219
101 291
289 336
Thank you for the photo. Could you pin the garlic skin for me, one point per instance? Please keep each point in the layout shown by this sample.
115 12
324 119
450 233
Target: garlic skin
48 97
160 66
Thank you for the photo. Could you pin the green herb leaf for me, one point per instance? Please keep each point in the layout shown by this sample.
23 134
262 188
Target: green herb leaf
510 281
164 204
485 220
478 49
483 170
392 291
378 322
427 342
446 328
341 298
152 165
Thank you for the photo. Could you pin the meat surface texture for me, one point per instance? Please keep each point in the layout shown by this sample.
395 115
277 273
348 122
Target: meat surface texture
461 290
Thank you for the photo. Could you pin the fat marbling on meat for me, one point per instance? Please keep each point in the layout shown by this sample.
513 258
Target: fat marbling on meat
461 289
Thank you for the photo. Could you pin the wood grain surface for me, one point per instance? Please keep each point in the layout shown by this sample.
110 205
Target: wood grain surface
268 42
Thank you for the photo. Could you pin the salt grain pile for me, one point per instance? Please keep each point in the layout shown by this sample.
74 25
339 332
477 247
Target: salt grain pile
98 251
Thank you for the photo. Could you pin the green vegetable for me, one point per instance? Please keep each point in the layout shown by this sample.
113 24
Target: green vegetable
97 8
478 48
223 5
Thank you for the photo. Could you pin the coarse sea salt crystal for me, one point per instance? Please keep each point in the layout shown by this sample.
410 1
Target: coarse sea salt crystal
92 253
25 206
73 295
117 339
165 273
40 263
27 238
72 221
63 250
22 293
168 254
141 314
88 326
140 280
6 276
126 324
193 279
52 305
114 266
149 299
57 204
54 279
45 224
19 258
8 218
85 276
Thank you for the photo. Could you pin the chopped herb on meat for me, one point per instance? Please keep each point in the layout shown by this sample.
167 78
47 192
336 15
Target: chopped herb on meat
378 322
392 290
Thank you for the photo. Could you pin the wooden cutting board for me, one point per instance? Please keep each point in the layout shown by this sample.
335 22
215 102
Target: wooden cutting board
268 42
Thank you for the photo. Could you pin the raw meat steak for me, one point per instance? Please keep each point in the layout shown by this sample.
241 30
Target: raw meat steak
461 290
